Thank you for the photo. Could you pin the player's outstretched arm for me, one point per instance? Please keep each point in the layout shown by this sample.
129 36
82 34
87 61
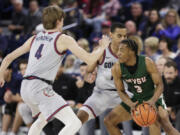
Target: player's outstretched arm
91 68
116 73
156 77
12 56
68 43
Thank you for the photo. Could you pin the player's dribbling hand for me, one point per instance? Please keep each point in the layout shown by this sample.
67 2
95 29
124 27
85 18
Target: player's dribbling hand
105 41
133 106
1 80
150 102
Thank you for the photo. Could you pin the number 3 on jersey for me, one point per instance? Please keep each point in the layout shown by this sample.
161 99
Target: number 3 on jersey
138 89
38 52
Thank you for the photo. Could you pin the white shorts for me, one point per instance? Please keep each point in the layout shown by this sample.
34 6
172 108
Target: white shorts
41 98
25 113
99 101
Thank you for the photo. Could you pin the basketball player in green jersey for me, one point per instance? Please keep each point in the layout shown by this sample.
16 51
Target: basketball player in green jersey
144 81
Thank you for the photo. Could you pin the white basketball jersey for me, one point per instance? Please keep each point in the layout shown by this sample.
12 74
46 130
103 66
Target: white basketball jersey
104 78
44 58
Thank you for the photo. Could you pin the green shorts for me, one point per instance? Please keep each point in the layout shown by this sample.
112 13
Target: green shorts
160 102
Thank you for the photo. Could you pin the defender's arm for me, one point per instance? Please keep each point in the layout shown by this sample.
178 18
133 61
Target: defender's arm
12 56
66 42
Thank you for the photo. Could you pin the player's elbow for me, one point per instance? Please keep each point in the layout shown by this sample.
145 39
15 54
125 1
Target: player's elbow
89 70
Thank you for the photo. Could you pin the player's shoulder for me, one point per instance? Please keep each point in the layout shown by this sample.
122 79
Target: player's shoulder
148 61
65 37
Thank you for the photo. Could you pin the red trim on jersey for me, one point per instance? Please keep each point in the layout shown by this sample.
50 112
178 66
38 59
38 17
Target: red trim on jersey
36 115
104 55
55 46
56 111
32 40
50 32
112 52
90 110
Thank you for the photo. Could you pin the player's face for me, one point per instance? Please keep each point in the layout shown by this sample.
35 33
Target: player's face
118 35
160 64
123 53
170 74
22 68
83 70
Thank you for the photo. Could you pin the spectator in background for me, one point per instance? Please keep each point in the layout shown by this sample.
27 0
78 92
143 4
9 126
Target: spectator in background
83 43
65 86
151 48
93 14
11 98
161 62
131 28
18 121
33 18
69 64
106 28
177 58
165 45
3 42
85 85
172 92
111 8
93 8
18 17
1 56
137 14
170 26
148 27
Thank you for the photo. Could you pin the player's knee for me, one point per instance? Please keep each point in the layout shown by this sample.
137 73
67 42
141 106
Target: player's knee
83 116
108 121
163 115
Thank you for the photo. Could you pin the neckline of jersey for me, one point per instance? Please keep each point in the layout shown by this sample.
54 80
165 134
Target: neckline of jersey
50 32
112 52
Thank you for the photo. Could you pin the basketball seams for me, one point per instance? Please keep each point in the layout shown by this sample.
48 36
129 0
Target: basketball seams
147 115
141 116
155 114
138 122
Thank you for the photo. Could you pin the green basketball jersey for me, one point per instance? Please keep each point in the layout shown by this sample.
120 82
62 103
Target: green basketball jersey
140 82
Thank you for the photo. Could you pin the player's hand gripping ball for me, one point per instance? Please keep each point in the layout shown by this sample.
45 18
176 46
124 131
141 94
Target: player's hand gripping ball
144 115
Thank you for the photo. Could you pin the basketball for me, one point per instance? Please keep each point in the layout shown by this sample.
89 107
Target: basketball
144 115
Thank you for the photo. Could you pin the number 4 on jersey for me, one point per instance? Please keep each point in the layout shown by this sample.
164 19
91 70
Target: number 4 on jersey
38 53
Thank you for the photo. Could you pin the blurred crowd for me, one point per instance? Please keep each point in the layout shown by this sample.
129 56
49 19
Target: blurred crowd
153 24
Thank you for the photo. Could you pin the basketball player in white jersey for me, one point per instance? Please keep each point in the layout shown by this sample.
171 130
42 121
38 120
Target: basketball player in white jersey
46 54
105 95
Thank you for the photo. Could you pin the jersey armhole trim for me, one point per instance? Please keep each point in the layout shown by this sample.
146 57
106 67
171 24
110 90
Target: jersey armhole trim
104 55
32 40
55 46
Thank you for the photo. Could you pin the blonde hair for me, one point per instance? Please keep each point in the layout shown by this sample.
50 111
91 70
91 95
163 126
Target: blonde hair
138 41
50 16
66 66
84 44
152 43
164 23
